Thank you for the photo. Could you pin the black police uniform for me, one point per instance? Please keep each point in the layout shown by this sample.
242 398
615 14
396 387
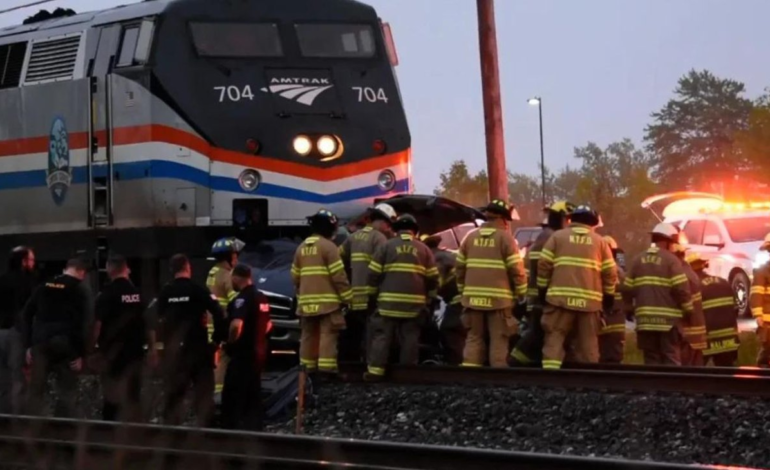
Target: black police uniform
242 393
16 288
188 356
56 320
120 309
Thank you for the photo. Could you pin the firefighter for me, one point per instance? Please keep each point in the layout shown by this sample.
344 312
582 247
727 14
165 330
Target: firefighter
403 281
248 315
529 349
16 286
694 325
323 292
576 284
356 253
451 331
491 278
120 330
57 322
612 337
719 310
759 301
657 293
189 357
225 252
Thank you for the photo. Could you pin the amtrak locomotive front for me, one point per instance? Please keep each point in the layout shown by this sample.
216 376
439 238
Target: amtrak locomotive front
155 127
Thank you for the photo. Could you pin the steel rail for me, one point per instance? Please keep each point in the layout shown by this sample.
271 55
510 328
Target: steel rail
670 380
22 432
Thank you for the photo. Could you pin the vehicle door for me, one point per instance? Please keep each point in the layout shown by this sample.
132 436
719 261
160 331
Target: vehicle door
715 238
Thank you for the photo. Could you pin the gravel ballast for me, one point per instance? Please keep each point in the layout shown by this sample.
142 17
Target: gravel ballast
661 427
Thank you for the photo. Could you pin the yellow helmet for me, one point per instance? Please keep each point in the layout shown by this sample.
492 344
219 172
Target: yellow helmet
766 243
611 242
564 207
424 237
695 259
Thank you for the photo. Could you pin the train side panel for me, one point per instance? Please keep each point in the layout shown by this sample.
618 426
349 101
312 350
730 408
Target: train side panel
43 157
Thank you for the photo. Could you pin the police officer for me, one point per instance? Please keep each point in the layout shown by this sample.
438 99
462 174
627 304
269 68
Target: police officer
356 253
491 277
121 330
248 315
529 350
16 286
451 331
56 324
403 281
183 307
323 291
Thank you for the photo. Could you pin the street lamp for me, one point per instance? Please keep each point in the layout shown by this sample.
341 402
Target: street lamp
538 101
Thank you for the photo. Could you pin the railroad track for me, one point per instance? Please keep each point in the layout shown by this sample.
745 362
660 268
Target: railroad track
26 441
747 382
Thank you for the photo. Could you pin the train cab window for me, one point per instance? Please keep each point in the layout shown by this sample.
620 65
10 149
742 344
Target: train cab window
349 41
236 40
128 46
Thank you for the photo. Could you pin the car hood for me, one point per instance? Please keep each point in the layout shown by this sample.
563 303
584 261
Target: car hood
434 213
270 263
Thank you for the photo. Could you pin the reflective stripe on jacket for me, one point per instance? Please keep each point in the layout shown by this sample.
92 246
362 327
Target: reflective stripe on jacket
657 288
490 272
531 260
577 267
404 276
720 312
694 325
319 277
759 298
356 253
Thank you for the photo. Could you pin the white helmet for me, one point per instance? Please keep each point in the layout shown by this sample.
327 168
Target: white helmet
386 210
667 230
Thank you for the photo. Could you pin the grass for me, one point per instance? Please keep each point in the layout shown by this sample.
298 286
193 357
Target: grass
747 353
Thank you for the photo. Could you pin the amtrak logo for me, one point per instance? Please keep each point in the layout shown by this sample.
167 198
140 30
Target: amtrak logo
300 90
59 171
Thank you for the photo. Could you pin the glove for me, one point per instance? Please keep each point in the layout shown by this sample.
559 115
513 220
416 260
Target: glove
520 310
541 295
608 301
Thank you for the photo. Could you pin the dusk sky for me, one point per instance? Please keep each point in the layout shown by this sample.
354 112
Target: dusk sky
601 66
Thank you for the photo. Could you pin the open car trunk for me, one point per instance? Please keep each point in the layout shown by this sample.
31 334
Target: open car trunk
689 202
434 213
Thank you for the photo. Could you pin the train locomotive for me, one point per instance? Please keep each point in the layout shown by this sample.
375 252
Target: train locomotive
156 127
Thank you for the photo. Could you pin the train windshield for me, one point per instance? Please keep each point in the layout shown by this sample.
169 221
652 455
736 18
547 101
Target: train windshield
236 40
336 41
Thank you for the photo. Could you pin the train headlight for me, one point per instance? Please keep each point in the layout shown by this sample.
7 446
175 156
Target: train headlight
329 146
386 180
302 145
249 180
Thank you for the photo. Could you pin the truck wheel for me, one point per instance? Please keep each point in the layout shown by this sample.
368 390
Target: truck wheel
741 285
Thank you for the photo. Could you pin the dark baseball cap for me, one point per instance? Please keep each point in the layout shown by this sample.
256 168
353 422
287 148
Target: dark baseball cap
242 270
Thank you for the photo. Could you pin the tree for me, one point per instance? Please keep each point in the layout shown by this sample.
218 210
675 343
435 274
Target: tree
525 193
458 184
615 181
754 144
692 138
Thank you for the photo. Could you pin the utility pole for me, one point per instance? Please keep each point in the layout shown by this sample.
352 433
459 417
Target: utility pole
493 112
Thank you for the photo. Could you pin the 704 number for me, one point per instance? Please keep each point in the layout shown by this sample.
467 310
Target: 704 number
233 93
370 94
